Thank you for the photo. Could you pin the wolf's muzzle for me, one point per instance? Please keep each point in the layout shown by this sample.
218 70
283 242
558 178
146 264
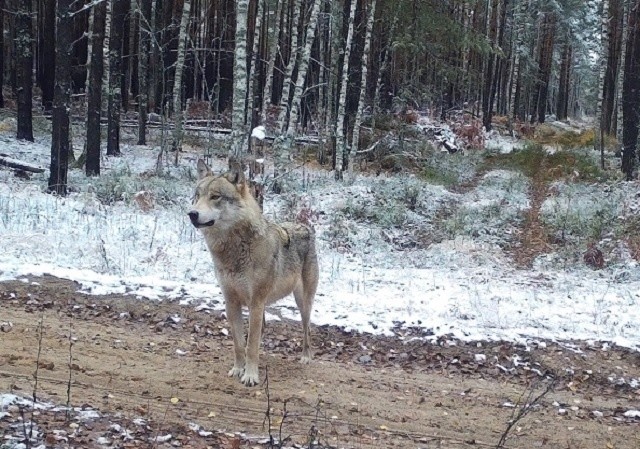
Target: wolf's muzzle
194 216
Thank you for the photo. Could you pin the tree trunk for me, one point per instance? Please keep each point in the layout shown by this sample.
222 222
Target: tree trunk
341 141
288 76
625 32
487 105
545 61
562 107
94 90
336 21
382 70
118 12
2 6
143 69
255 63
290 124
60 141
631 94
355 140
273 53
46 67
614 31
178 129
604 51
238 127
24 65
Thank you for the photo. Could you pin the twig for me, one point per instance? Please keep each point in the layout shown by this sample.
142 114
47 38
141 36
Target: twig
28 435
525 407
69 380
371 148
284 417
267 416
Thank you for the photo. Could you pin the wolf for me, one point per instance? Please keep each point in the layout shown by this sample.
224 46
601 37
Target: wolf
256 261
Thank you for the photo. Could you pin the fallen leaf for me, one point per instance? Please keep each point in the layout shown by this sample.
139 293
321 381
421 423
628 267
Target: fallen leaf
175 400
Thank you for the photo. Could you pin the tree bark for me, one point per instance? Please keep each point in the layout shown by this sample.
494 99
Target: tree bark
631 94
273 52
178 129
60 142
341 141
566 62
612 54
118 13
355 140
143 69
1 53
283 143
46 67
487 105
604 51
239 134
545 60
288 76
255 64
24 65
94 90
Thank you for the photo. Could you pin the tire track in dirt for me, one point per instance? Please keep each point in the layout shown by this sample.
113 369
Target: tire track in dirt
130 366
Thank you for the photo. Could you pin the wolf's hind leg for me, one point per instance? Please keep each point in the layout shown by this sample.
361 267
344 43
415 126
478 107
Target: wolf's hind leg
304 305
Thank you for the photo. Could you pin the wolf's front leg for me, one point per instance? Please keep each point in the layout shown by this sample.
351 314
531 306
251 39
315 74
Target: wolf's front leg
234 315
256 315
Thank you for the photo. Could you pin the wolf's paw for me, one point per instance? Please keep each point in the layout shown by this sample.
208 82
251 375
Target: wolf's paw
236 372
250 378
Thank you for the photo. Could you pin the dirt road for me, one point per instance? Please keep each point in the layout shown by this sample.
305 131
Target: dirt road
167 363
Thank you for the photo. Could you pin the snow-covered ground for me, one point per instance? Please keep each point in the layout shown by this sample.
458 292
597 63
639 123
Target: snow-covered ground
463 284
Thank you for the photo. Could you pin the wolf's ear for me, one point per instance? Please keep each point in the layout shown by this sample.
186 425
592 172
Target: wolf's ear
236 177
203 169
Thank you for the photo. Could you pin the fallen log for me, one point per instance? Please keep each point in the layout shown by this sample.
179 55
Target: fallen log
16 164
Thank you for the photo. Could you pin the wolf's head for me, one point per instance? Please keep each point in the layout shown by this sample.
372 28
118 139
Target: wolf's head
221 201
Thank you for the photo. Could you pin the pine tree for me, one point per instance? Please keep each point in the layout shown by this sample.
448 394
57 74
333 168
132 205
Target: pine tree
94 89
118 14
24 64
60 142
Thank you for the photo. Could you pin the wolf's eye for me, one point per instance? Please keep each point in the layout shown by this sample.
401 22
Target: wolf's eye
215 197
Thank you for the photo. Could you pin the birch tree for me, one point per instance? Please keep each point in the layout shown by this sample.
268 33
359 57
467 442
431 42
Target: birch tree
24 64
255 60
273 52
178 130
288 75
60 142
238 127
284 142
604 50
94 89
355 141
341 140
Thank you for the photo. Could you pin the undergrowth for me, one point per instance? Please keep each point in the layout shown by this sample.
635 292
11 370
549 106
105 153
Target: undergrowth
560 164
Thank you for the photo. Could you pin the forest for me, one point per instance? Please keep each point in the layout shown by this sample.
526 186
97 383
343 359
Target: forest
464 172
340 71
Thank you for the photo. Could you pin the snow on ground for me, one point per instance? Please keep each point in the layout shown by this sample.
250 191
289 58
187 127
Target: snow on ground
463 285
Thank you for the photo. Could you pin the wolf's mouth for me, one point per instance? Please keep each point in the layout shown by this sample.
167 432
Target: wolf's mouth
204 225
